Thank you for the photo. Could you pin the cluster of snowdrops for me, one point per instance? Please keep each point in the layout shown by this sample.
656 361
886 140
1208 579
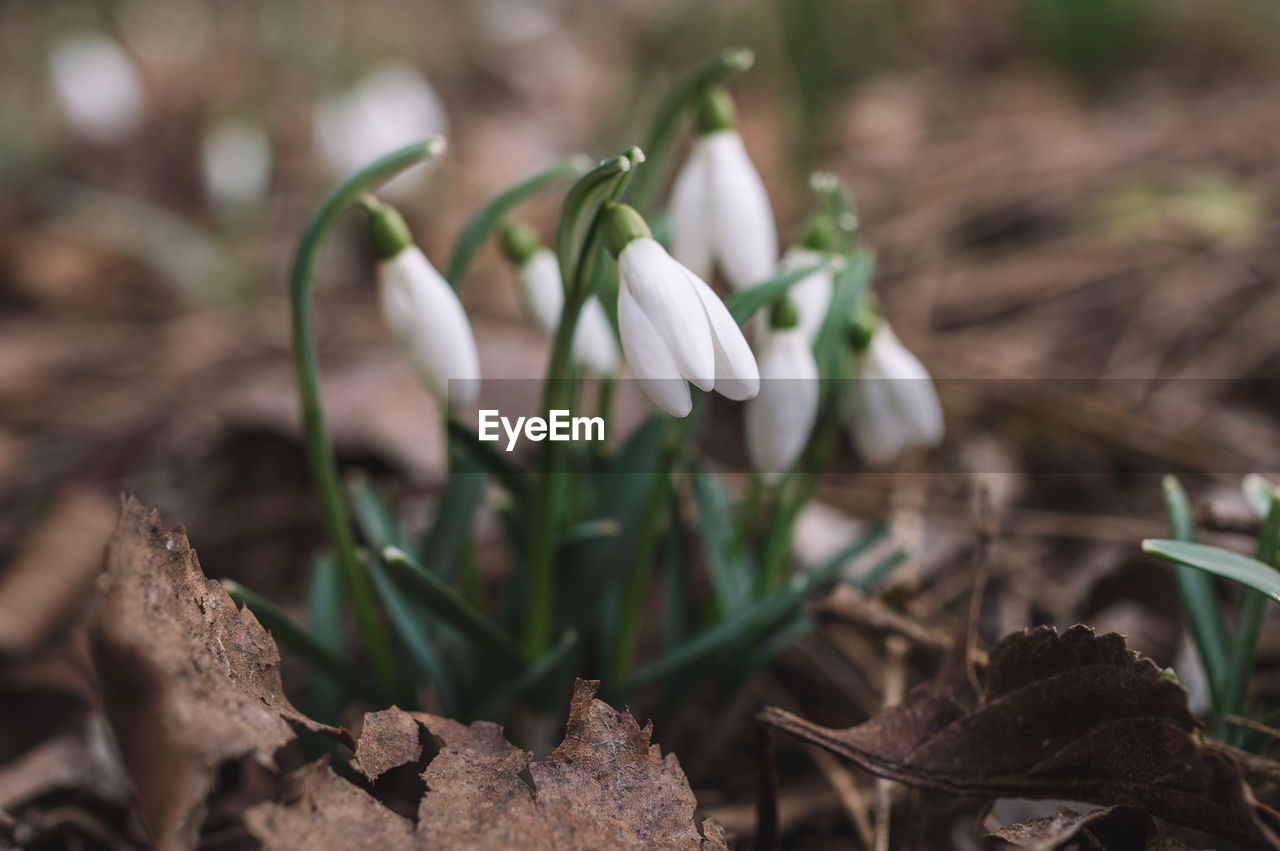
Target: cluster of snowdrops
622 287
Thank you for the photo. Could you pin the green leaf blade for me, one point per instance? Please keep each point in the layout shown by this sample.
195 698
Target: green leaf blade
1238 568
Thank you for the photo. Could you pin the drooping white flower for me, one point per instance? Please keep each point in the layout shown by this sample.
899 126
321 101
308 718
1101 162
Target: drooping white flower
97 86
674 328
720 213
811 294
236 160
595 349
423 313
388 108
891 404
780 419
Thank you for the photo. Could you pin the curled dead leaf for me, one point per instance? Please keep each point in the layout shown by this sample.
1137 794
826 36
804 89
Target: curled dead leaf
320 810
1075 716
190 682
1112 829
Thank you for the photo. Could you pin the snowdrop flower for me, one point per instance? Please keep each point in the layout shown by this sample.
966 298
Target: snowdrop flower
720 213
389 108
423 312
812 294
780 419
674 328
892 404
595 349
97 86
236 160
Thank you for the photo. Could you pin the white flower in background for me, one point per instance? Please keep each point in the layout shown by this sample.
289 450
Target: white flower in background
891 403
388 108
423 312
812 294
595 349
97 86
674 328
720 213
780 419
236 159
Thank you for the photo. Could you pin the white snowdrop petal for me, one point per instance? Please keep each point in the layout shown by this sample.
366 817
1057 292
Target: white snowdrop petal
743 237
429 325
660 289
595 349
650 360
691 212
870 414
737 376
895 405
236 157
98 87
780 419
543 290
812 294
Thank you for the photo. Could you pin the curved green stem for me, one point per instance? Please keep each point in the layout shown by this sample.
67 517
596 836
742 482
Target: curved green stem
576 241
320 455
679 99
479 226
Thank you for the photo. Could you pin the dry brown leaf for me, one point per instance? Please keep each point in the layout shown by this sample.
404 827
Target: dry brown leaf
189 681
320 810
605 786
1074 716
1113 829
387 740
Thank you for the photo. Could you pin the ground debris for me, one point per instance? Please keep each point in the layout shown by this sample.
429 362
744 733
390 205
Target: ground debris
190 682
1075 716
1112 829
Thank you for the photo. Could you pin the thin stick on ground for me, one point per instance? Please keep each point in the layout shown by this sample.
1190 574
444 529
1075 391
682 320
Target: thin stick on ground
895 682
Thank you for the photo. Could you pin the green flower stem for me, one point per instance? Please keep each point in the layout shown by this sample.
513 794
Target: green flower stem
320 454
577 240
792 493
1244 644
682 97
631 604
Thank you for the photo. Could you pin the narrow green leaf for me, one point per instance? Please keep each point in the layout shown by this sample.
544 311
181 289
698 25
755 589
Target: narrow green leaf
1244 644
1199 599
835 565
729 582
482 223
448 605
442 547
589 530
325 692
744 303
414 632
465 440
374 516
531 678
738 629
1238 568
881 571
